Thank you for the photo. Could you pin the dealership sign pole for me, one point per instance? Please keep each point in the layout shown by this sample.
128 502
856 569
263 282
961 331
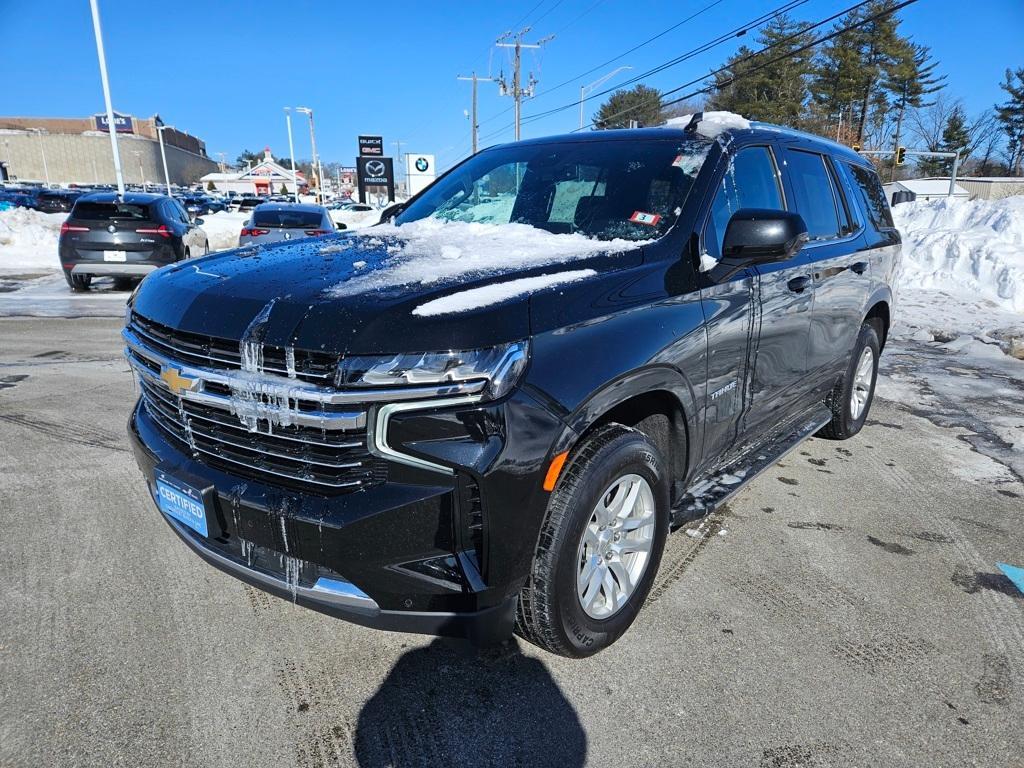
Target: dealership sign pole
106 95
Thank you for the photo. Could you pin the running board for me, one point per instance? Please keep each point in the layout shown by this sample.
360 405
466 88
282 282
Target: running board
707 495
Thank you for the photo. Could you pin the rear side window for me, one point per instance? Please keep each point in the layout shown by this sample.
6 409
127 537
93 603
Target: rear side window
750 182
286 219
816 198
872 197
89 211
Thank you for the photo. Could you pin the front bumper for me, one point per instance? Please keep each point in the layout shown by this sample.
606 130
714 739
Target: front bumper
396 556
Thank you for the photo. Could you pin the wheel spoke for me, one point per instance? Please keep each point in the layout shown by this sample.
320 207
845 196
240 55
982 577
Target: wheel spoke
628 546
618 568
632 523
611 592
593 588
587 573
629 501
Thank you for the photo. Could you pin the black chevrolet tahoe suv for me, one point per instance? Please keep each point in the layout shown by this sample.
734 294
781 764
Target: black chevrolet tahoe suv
413 433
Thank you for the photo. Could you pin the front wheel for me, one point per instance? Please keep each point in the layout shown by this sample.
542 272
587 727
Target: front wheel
599 547
851 398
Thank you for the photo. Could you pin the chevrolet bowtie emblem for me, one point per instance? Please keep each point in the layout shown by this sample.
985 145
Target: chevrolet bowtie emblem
176 382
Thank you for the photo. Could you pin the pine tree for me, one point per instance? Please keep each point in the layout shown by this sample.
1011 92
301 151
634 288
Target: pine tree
1011 117
956 136
211 187
775 92
851 69
910 80
640 104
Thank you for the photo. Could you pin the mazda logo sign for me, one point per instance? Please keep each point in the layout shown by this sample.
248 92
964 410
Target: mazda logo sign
375 168
422 164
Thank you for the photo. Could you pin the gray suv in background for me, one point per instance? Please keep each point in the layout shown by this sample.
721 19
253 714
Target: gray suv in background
274 222
126 237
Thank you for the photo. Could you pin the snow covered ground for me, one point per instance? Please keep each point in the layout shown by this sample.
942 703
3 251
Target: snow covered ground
28 240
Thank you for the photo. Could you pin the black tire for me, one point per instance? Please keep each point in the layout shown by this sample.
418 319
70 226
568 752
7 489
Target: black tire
78 283
549 613
843 424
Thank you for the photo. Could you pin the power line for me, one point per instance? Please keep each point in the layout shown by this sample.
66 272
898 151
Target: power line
801 49
637 47
739 31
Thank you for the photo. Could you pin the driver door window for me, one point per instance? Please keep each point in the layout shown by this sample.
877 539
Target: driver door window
751 181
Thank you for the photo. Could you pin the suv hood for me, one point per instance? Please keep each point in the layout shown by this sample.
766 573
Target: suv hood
343 294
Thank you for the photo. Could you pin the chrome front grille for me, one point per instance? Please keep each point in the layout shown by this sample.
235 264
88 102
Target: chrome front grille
287 426
224 354
272 428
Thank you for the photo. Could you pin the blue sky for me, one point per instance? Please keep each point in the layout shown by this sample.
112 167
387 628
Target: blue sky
224 70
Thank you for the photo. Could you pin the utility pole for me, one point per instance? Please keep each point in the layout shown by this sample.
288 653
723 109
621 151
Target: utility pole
517 91
318 169
111 128
474 123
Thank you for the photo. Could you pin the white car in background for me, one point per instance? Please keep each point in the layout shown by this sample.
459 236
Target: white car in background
276 222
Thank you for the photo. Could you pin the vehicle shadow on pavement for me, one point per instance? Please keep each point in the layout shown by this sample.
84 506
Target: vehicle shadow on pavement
447 705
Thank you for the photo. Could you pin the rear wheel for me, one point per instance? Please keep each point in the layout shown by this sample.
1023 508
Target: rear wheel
851 398
600 545
77 283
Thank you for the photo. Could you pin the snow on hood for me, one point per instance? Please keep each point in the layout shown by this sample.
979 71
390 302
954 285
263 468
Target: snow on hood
711 123
435 251
965 246
495 293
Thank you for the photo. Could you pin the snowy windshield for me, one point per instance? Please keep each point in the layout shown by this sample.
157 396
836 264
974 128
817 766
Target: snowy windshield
630 190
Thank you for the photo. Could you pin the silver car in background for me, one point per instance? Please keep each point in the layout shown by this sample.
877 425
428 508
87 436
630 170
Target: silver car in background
275 222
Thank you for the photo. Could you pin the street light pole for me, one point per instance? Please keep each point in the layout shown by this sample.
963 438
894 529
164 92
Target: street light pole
291 151
42 151
474 124
106 95
593 85
163 155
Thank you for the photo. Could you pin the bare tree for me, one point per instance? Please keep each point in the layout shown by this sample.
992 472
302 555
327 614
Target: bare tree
928 123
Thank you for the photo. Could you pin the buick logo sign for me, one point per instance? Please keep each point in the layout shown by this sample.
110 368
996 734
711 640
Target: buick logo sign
422 164
375 168
111 228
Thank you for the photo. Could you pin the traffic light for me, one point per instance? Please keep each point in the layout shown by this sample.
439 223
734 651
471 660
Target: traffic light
901 155
856 147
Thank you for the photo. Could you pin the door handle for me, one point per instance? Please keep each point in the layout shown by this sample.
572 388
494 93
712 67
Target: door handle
859 267
798 284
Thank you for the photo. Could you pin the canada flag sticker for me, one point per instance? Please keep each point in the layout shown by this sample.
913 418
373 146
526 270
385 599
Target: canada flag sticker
642 217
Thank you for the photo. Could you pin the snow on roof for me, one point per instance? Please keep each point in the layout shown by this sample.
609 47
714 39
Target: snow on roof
498 292
711 123
928 186
433 251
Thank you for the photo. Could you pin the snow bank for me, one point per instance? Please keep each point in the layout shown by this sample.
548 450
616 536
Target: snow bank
498 292
355 219
222 228
431 250
973 247
711 123
28 239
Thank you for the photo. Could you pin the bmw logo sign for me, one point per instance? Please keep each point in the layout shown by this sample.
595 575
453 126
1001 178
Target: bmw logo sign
422 164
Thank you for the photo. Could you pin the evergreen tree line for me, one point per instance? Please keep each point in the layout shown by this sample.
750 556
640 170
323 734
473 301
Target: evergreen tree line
869 86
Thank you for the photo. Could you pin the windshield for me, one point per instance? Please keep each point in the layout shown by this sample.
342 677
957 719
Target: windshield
632 190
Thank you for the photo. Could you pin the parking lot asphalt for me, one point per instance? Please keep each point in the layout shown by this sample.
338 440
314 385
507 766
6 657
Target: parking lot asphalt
844 610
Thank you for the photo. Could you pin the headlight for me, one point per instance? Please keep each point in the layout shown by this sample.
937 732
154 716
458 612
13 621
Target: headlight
500 367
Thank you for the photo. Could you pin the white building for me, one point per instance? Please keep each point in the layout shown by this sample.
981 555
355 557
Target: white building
265 178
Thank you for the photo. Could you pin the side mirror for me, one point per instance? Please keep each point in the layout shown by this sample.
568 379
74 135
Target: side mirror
340 225
763 236
199 222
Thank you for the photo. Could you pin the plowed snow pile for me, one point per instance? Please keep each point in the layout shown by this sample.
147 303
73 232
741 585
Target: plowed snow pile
973 248
28 240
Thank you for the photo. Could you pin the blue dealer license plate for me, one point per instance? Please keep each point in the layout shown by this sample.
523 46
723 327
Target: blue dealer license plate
182 502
